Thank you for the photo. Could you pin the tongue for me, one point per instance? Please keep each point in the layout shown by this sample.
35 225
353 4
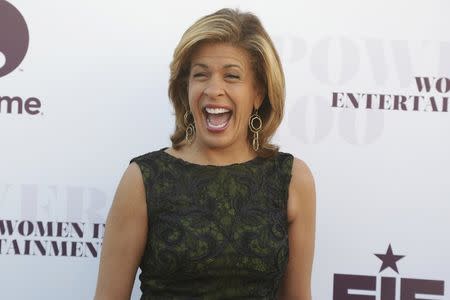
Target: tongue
218 119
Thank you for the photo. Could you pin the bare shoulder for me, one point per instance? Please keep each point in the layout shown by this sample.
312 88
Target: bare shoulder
133 176
302 194
130 193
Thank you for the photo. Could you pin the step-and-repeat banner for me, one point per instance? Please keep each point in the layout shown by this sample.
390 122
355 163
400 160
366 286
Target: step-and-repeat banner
83 88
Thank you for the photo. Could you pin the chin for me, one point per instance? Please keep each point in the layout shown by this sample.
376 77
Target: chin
215 143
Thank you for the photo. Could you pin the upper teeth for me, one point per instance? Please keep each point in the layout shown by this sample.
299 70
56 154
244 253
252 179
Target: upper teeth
218 110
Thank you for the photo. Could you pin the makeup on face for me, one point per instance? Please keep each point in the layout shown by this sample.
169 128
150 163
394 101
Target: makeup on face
222 94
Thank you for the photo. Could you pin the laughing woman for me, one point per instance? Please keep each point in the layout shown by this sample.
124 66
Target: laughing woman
221 214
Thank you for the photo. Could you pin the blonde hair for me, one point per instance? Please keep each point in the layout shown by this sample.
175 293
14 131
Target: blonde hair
241 30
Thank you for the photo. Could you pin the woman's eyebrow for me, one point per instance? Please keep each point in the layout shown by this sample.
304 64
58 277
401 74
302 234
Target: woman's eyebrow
226 66
200 65
232 66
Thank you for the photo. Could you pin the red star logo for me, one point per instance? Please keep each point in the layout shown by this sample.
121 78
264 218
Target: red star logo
389 259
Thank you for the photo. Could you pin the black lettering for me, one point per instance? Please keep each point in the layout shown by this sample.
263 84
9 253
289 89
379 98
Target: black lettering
9 103
353 100
2 242
342 283
26 250
62 229
385 102
32 106
445 104
369 101
9 227
40 247
337 100
26 228
443 82
432 103
13 246
409 288
387 288
96 233
423 83
399 101
76 249
416 100
59 248
78 229
41 228
92 249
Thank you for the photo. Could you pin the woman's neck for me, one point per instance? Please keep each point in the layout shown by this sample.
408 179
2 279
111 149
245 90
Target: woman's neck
199 154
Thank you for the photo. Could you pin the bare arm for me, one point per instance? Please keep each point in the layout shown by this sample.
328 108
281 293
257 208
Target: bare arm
301 215
125 238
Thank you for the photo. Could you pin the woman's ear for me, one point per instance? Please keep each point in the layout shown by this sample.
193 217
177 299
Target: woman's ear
259 98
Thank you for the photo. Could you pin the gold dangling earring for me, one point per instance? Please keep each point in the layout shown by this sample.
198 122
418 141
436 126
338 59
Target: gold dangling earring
255 128
190 128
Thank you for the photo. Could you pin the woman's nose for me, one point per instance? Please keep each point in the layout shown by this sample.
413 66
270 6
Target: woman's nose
214 88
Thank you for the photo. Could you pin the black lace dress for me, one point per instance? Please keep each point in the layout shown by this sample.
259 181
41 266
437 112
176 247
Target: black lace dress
215 232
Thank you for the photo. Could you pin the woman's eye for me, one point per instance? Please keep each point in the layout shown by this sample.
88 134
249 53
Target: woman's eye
198 75
232 76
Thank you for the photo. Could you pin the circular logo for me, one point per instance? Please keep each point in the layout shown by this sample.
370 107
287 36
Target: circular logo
14 38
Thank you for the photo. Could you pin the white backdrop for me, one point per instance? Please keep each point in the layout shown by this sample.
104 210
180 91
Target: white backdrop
100 71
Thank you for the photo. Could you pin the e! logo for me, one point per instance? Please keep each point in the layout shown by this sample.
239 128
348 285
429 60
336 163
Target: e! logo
364 287
14 38
361 287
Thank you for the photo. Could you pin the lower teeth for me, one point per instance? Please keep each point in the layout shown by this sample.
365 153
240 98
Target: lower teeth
213 120
217 126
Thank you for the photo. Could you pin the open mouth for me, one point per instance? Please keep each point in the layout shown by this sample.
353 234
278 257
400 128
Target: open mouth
217 118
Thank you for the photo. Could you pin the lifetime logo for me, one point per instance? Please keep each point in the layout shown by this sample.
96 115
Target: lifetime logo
14 38
363 287
14 41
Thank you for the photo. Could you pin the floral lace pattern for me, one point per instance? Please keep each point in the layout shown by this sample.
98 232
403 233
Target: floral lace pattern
215 232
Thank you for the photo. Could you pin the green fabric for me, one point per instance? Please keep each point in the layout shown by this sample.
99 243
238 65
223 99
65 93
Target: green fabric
214 232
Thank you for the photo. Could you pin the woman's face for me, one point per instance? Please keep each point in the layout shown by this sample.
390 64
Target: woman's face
222 95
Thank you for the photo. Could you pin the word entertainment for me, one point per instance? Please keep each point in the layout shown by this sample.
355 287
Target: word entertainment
50 248
426 103
37 238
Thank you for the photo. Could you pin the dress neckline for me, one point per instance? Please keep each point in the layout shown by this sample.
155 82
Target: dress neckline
187 163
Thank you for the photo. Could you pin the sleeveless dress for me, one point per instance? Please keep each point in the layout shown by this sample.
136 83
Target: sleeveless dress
214 232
